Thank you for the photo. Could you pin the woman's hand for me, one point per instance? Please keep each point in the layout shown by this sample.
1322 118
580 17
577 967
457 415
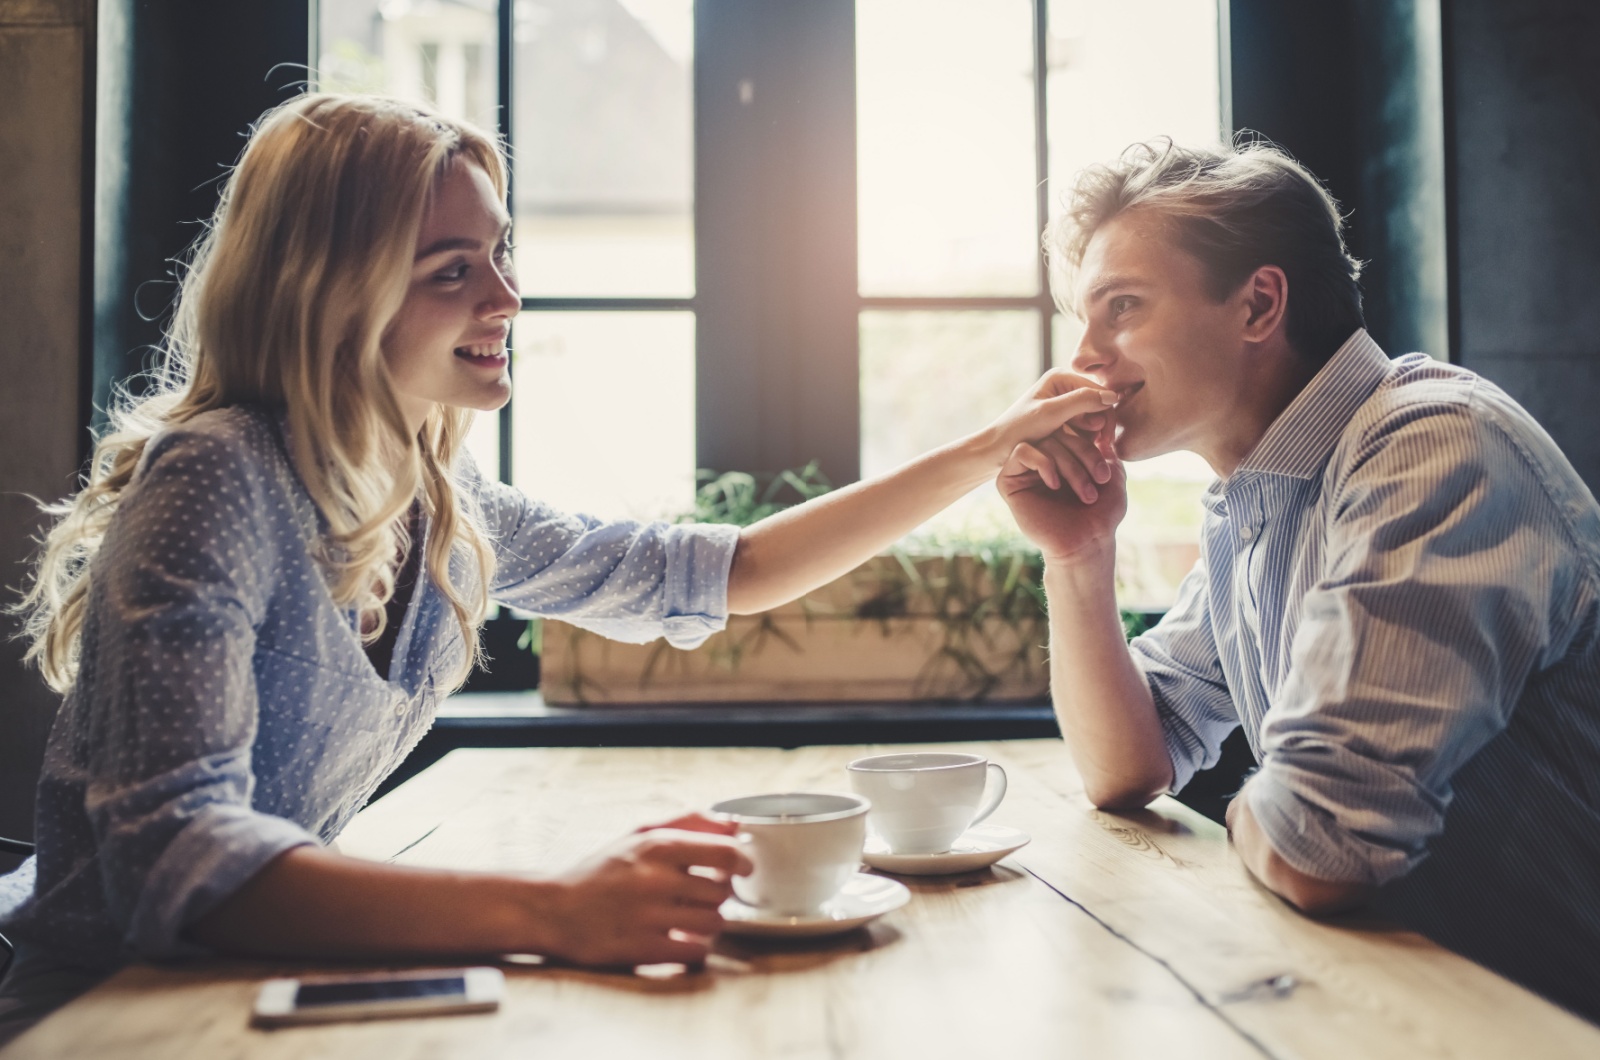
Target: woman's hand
651 898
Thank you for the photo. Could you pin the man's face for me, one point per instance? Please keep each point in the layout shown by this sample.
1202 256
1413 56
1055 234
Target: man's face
1154 334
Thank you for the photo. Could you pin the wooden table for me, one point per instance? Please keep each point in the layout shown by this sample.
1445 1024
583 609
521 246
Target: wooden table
1112 935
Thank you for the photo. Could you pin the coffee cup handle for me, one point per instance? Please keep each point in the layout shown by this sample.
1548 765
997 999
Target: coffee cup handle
997 782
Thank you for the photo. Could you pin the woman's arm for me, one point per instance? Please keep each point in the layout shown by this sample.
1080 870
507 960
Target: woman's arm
635 903
793 552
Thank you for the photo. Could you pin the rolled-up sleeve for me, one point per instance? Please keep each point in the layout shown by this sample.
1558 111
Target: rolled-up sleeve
1179 661
1413 650
183 588
630 581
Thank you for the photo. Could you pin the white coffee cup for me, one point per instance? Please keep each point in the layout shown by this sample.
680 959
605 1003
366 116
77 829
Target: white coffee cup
922 801
805 846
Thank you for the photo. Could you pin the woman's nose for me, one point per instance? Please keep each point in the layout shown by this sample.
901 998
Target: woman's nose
505 298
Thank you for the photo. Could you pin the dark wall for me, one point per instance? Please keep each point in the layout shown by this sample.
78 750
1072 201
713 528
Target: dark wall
174 110
1353 88
1524 146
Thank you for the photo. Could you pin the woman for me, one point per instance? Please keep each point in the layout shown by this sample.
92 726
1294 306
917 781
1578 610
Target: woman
281 558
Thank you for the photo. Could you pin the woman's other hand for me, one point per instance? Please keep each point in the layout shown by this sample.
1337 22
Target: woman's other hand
651 898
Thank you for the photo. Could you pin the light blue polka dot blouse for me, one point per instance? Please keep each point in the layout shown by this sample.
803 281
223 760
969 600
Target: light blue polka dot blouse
226 711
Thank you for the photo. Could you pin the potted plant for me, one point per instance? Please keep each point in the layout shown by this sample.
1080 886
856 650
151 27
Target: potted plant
957 616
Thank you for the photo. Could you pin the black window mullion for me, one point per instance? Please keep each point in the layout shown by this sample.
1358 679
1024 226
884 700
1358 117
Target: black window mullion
505 42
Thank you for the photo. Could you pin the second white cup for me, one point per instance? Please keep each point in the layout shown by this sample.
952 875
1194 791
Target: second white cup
922 801
805 846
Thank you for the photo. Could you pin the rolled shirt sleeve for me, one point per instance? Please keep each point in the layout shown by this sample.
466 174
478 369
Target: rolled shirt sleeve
630 581
170 735
1413 649
1178 659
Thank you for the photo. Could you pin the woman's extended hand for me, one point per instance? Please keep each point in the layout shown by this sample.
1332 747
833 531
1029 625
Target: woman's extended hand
651 898
1071 413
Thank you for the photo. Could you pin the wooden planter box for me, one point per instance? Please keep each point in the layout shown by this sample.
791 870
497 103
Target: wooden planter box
875 635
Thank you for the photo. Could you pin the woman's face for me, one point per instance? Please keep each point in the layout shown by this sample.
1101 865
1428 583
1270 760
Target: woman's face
447 345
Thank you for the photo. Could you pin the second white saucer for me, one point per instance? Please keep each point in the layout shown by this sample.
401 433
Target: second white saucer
863 898
979 847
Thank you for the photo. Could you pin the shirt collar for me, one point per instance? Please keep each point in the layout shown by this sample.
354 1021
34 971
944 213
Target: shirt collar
1300 440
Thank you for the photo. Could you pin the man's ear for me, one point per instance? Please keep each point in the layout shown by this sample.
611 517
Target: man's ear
1266 300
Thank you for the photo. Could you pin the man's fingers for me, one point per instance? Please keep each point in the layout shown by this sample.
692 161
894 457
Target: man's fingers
1024 464
1070 467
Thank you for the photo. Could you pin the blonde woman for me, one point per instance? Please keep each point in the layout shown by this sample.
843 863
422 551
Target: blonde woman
280 560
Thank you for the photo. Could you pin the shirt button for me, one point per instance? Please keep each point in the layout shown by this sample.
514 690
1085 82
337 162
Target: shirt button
1246 533
400 702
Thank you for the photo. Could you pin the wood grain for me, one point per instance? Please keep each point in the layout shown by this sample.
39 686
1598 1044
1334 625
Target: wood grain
1110 936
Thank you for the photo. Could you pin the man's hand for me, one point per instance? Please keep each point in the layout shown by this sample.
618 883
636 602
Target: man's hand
1064 414
1068 523
1310 895
650 899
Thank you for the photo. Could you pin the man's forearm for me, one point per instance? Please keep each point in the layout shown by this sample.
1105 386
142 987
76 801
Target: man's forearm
1102 702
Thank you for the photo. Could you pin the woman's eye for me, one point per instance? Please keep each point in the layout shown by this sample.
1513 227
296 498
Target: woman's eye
1121 305
503 251
454 274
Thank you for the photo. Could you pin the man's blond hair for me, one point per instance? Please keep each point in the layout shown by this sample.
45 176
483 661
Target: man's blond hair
1235 209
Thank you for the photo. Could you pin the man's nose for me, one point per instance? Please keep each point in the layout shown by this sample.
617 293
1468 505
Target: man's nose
1088 357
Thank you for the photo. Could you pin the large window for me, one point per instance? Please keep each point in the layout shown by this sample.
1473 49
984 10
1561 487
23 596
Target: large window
790 230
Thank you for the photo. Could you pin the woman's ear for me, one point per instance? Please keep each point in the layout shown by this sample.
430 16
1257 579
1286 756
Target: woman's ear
1266 299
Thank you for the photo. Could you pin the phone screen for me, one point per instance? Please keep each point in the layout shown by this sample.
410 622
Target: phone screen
310 995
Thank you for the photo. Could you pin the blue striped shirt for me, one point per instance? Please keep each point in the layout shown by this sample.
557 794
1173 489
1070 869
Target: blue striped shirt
1398 599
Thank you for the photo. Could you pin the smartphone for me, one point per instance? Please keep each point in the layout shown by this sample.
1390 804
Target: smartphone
436 992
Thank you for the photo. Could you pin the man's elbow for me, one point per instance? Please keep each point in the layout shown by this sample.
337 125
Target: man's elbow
1311 896
1114 796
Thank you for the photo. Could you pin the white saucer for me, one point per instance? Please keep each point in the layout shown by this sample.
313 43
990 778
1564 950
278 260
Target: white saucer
979 847
862 899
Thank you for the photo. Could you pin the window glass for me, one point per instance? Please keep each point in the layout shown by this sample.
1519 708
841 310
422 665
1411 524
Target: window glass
928 377
1125 72
603 419
1121 73
443 53
603 134
945 147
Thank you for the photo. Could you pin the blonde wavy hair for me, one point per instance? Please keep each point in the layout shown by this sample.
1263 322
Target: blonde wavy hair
285 301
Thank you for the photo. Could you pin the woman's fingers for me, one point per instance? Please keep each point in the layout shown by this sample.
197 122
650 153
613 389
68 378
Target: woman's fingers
682 851
699 891
694 822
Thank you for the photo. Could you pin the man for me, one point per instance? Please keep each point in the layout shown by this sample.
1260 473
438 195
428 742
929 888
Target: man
1398 594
